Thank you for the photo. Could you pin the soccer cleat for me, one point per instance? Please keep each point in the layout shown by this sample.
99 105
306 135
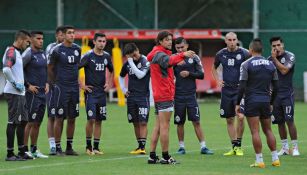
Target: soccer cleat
38 154
97 152
205 150
14 158
52 151
59 152
257 165
168 161
71 152
138 151
238 151
26 155
276 163
89 151
283 152
295 152
153 160
230 153
181 150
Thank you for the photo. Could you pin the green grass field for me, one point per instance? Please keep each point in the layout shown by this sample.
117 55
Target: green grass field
118 139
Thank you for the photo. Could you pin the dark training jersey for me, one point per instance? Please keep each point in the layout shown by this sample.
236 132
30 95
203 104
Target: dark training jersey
65 61
137 87
187 85
231 62
35 67
95 69
259 74
285 84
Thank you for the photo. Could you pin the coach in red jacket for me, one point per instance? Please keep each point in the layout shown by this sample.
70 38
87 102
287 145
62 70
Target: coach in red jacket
162 78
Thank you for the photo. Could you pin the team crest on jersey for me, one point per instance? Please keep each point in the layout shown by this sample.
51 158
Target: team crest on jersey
239 57
76 53
283 60
190 60
90 113
105 61
33 115
52 111
139 65
129 117
292 58
61 111
177 118
222 112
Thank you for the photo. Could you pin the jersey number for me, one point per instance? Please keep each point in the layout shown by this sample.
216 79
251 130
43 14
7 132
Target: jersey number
231 62
71 59
99 67
143 111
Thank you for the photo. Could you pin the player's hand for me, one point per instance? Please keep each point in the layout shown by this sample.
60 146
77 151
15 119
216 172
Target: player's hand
240 115
46 88
130 58
274 53
33 89
127 94
238 110
107 87
18 86
184 73
87 88
181 63
221 83
189 53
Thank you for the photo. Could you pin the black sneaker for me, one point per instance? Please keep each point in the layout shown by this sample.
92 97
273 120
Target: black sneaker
14 158
59 152
25 156
71 152
154 160
168 161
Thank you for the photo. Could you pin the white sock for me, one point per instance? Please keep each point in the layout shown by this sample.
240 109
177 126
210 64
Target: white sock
259 158
274 155
202 144
181 144
285 144
294 144
51 142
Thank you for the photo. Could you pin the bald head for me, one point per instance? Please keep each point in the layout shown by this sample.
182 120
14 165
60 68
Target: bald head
231 41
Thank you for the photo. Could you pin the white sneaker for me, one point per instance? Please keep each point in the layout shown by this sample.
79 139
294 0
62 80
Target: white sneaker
295 152
30 155
38 154
283 152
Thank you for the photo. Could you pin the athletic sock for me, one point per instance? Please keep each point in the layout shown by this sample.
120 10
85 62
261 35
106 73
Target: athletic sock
294 144
259 158
96 144
181 144
202 144
152 155
285 144
165 155
234 143
239 140
33 148
142 143
88 142
58 146
69 143
51 142
274 155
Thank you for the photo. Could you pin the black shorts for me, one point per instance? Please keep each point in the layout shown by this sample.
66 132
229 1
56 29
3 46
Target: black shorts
165 106
96 106
138 109
283 109
184 105
36 106
260 109
228 102
17 109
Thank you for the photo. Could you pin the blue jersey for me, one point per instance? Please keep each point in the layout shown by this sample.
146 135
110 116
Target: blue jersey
35 67
285 85
231 62
187 85
95 69
137 87
65 61
259 74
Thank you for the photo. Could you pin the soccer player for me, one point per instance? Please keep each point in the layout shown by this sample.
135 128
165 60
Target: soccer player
95 63
14 92
137 68
231 58
63 74
256 77
283 110
185 96
50 95
162 77
35 72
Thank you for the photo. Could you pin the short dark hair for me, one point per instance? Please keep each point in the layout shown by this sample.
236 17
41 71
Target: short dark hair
67 27
276 38
33 33
256 45
21 34
161 35
59 29
180 40
99 35
130 48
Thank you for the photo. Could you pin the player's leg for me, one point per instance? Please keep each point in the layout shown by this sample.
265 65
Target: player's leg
27 136
89 127
179 120
132 114
50 121
153 158
142 118
101 115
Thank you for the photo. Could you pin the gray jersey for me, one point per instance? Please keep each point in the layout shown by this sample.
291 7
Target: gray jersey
12 59
49 50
